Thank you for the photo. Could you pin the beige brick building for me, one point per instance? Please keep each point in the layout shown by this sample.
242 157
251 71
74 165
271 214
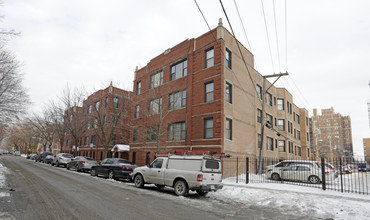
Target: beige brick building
331 134
367 149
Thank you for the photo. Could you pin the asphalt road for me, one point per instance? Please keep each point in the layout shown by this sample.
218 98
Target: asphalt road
40 191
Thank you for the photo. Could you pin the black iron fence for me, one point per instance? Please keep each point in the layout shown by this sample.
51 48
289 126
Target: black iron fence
339 174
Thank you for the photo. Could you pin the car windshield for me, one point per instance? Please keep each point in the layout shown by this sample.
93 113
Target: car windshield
89 158
212 164
67 155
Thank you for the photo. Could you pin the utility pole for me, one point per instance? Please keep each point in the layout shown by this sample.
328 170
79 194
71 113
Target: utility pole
263 123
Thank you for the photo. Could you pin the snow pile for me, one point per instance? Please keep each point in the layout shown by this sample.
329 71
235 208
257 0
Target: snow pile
3 170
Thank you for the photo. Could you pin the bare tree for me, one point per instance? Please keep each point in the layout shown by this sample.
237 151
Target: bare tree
43 127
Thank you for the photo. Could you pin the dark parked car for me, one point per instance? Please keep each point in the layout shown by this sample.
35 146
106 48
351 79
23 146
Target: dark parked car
41 157
48 159
81 164
113 168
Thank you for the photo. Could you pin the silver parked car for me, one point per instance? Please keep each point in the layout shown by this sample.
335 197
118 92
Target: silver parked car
62 159
81 164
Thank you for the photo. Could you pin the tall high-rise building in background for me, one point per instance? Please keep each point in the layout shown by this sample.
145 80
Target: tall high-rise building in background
331 134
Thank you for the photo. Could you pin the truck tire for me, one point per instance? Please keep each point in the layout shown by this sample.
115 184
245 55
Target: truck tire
181 188
201 192
139 181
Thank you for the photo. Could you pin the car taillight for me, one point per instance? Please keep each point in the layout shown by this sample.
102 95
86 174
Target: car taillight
326 172
60 158
332 168
83 161
200 178
125 168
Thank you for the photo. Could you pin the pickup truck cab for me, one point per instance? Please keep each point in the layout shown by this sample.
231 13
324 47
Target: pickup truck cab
201 173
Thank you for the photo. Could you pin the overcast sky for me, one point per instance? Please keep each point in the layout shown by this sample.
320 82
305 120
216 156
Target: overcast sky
88 43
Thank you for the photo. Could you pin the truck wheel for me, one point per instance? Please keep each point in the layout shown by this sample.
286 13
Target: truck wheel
139 181
181 188
201 192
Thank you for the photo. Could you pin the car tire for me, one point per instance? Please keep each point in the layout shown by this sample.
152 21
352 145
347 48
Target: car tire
314 179
139 181
111 175
57 164
181 188
201 192
275 176
93 172
68 167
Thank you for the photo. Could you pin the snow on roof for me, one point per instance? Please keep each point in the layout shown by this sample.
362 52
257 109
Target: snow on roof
121 147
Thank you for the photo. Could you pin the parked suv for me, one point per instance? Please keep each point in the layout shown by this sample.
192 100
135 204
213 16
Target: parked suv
62 159
40 157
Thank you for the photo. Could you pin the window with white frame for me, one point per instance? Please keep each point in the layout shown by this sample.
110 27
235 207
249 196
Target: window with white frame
229 92
176 131
259 115
209 92
259 91
115 102
280 104
229 129
208 128
209 58
177 100
138 88
137 110
97 106
179 70
228 58
156 79
155 106
89 109
281 124
281 146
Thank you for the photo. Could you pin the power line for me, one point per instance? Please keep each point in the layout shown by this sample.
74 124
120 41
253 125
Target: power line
286 37
276 33
241 23
268 38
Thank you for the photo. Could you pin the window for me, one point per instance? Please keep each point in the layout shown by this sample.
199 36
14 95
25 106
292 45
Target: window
229 92
86 142
147 158
137 110
114 121
152 133
288 126
89 109
299 151
281 146
133 158
106 102
155 106
228 58
177 100
259 137
95 123
259 116
208 128
281 124
270 144
156 80
88 125
298 135
280 103
209 88
269 99
269 119
134 136
209 58
138 88
287 104
115 102
298 119
97 105
179 70
229 129
93 140
176 131
259 91
67 143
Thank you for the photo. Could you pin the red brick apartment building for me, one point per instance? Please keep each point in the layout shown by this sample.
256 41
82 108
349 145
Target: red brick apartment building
198 96
100 124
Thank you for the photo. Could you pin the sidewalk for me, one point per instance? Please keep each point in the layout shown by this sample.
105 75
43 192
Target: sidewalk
299 200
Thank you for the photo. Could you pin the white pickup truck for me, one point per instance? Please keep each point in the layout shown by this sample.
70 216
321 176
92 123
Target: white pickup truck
201 173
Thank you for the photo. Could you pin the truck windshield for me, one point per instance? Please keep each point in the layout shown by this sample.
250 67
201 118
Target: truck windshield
212 164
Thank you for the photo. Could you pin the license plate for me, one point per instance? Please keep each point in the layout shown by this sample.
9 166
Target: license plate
212 187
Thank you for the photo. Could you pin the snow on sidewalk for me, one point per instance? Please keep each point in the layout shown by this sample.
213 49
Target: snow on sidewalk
298 200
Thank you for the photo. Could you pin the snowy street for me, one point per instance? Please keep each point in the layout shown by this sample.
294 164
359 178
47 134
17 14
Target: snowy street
42 187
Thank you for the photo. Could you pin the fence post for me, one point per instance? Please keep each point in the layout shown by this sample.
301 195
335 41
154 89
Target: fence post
341 174
323 173
246 170
237 167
